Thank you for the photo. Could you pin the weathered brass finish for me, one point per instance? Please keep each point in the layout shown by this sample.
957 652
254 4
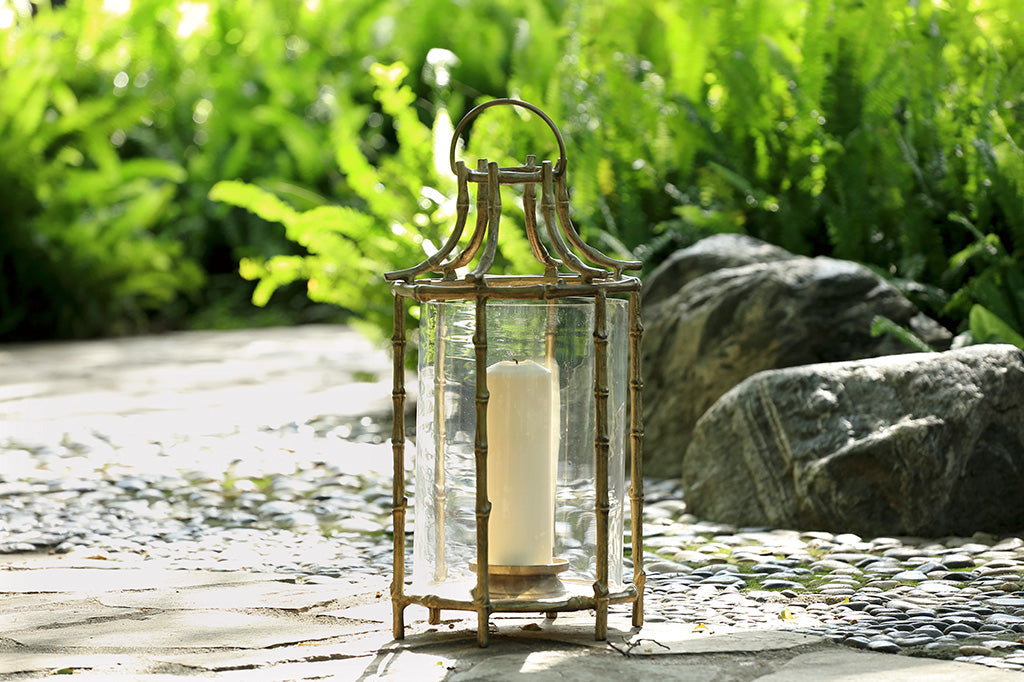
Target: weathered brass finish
496 588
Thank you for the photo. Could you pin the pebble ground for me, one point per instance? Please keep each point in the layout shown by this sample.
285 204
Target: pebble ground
313 500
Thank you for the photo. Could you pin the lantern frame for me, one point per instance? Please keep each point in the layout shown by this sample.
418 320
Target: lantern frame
594 281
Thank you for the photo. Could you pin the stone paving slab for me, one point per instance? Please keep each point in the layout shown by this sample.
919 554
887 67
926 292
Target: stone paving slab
863 666
658 639
196 382
835 664
113 579
180 629
13 662
665 639
53 616
258 595
349 669
578 666
13 602
365 646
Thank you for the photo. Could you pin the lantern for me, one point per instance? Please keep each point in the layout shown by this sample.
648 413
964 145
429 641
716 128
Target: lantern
520 481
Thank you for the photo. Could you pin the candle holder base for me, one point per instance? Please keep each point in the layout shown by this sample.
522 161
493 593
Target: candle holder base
534 582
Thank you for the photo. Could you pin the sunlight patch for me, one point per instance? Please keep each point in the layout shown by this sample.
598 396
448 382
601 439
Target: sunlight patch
194 16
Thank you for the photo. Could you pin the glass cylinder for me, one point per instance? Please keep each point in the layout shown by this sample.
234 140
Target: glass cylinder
541 442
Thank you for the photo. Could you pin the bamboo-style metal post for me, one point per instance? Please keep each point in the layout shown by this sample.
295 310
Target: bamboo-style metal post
398 499
482 593
601 462
636 473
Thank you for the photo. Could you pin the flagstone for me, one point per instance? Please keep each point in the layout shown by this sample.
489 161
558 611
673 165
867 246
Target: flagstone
14 620
266 595
117 578
355 646
184 629
12 662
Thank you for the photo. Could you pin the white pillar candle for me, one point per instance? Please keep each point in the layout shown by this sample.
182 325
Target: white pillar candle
520 464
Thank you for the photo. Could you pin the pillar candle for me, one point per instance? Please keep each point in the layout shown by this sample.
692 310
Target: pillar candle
520 463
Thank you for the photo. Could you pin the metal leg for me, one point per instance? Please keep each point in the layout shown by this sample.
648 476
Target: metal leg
483 633
601 621
482 593
398 501
601 447
636 476
398 621
638 604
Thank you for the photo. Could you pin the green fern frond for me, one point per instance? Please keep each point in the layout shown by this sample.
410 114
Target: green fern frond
253 199
883 325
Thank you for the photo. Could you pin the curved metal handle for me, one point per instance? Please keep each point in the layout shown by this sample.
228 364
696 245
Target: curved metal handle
559 166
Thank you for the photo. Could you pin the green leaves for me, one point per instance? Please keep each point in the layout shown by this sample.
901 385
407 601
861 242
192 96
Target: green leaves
253 199
987 327
882 131
883 325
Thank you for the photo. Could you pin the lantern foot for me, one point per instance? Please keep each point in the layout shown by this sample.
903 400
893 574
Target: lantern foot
435 616
398 622
638 612
483 628
601 624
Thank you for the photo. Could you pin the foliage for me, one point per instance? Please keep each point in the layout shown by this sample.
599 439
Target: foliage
883 131
79 252
347 249
116 122
401 214
883 325
134 110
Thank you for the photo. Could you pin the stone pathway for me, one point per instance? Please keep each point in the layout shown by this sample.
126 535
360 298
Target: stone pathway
216 504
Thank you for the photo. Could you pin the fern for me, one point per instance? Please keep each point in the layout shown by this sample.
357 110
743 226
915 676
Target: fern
400 213
882 131
883 325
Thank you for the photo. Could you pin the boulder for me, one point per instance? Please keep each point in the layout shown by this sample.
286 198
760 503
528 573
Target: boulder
926 444
712 253
740 317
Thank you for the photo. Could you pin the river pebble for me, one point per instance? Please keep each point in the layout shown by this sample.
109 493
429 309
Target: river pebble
279 500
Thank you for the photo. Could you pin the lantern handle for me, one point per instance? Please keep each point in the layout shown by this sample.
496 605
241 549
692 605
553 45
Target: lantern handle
559 166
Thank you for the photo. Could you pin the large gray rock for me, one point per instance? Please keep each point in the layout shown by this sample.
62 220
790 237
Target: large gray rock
712 253
924 444
733 321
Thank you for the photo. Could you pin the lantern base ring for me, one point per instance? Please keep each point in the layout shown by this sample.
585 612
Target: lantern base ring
533 582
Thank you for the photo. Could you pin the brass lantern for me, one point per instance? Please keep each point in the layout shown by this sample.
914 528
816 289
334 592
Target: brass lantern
522 417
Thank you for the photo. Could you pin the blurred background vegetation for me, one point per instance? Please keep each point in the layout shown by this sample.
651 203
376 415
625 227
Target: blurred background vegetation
163 163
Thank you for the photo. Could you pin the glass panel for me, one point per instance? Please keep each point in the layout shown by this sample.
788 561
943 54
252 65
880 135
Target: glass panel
540 437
